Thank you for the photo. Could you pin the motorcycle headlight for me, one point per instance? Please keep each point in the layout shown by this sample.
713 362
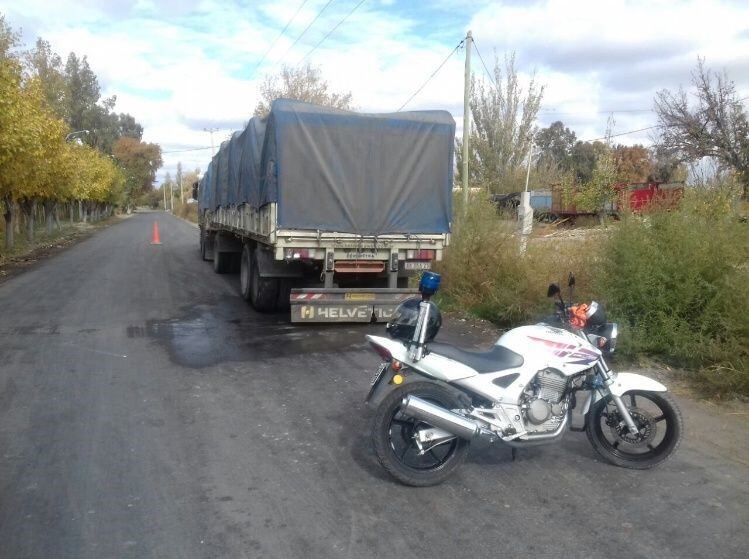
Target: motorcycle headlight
613 333
605 337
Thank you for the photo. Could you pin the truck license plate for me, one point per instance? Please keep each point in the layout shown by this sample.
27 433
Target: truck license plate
361 255
418 265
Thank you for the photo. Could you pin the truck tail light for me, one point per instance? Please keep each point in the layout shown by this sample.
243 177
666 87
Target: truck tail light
423 254
297 253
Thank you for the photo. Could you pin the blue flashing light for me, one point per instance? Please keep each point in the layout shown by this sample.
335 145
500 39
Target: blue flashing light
429 283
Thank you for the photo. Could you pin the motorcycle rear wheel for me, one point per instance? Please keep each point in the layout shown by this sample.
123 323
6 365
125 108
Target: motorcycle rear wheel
396 449
658 421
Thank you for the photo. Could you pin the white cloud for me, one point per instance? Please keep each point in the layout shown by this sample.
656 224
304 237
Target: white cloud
179 66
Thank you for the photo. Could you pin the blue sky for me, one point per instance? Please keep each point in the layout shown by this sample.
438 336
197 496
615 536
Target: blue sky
181 66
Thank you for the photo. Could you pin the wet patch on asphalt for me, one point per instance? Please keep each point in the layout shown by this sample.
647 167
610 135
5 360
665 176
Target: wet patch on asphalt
205 335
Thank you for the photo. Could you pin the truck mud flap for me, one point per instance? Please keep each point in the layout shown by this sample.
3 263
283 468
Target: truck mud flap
346 305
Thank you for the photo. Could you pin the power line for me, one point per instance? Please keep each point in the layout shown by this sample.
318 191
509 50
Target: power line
188 149
553 112
481 58
305 30
299 9
329 33
643 129
415 93
624 133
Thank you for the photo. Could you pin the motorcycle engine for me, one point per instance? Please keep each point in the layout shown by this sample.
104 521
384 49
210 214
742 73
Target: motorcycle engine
544 403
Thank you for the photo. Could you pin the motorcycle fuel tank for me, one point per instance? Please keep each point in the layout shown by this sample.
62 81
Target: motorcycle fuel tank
551 347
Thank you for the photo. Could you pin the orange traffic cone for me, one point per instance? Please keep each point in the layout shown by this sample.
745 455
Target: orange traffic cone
155 239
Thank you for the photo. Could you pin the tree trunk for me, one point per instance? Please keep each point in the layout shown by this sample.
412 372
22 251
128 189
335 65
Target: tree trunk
16 221
56 213
71 207
9 225
49 206
29 209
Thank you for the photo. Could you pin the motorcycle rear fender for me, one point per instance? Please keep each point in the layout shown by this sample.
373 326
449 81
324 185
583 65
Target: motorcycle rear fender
410 376
626 382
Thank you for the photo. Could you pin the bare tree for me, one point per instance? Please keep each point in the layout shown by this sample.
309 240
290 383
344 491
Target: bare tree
304 83
714 126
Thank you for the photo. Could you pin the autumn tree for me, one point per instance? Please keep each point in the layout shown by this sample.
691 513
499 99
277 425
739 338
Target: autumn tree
140 161
714 124
304 83
633 163
501 128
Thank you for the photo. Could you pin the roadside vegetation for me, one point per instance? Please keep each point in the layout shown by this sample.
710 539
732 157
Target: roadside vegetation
65 155
675 278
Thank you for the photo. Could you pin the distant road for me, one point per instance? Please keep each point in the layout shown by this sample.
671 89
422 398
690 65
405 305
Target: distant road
146 411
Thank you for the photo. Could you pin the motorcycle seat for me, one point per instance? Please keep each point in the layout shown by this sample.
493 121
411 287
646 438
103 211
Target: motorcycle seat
498 358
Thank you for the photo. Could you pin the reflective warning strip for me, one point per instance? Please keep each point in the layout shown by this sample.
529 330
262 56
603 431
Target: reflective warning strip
308 296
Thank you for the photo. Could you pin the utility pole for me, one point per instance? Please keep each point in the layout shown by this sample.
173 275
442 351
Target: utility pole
163 189
466 118
525 210
171 196
179 178
211 131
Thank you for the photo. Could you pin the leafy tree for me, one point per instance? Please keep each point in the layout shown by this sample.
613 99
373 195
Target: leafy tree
140 161
666 165
555 145
633 163
595 194
304 83
584 158
42 63
8 38
716 125
501 128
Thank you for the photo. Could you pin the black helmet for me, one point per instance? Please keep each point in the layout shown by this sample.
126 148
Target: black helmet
403 322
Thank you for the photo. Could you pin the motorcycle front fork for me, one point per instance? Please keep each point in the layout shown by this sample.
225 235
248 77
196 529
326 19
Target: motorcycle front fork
608 378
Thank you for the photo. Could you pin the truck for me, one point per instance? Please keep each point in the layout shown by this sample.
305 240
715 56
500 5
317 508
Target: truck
328 212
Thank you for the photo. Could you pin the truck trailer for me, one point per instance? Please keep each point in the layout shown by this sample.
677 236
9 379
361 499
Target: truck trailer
329 212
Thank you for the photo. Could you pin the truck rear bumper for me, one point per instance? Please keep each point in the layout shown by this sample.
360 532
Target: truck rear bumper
346 305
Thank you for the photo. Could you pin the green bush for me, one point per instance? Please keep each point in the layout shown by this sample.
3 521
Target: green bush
679 283
485 274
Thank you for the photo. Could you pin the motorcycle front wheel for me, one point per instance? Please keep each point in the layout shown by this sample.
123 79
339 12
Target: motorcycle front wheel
659 425
394 444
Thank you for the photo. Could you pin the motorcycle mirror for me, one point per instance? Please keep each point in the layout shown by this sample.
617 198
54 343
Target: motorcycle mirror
553 290
571 280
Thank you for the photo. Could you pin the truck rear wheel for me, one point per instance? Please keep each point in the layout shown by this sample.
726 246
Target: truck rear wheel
222 262
205 245
263 291
245 273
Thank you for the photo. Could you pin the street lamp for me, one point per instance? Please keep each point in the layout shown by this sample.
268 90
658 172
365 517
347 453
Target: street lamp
74 134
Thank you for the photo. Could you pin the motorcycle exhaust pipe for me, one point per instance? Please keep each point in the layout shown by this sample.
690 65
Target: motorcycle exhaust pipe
437 416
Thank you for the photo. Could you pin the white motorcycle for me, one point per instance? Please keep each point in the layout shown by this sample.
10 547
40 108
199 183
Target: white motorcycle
433 399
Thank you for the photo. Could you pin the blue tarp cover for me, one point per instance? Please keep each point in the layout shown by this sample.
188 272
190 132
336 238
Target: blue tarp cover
340 171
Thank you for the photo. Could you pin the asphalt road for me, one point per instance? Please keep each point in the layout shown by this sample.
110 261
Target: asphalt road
146 411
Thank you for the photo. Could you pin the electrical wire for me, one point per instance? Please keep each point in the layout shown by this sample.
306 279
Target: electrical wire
329 33
643 129
623 133
415 93
481 58
311 23
553 112
299 9
184 150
